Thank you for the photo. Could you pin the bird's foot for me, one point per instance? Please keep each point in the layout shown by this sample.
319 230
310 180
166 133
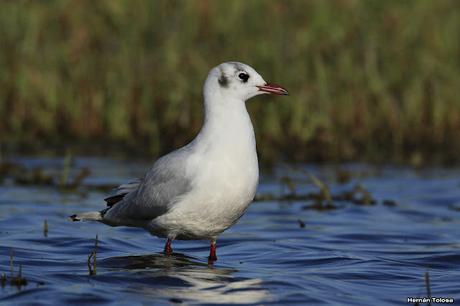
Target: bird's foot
168 249
211 260
212 253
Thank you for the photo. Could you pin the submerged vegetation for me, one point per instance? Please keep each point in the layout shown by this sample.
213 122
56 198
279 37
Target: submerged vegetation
322 199
16 280
19 174
374 80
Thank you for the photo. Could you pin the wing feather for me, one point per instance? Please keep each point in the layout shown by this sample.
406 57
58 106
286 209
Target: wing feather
121 191
154 194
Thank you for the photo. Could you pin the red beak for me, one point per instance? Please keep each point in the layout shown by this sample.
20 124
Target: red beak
273 89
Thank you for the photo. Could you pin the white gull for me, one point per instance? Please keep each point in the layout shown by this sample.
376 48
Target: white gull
203 188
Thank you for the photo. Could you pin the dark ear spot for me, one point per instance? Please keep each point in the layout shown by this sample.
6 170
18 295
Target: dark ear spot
223 80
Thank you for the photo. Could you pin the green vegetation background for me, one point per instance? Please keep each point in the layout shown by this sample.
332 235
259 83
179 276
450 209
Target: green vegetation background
369 80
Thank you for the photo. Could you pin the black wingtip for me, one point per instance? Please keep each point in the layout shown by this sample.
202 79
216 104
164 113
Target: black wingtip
73 218
112 200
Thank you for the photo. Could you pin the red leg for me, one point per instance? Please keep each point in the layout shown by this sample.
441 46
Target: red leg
168 248
212 252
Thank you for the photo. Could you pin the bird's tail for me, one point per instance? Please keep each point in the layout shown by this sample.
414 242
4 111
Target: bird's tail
87 216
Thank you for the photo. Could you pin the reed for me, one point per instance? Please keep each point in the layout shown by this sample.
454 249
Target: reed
374 80
45 228
92 258
16 280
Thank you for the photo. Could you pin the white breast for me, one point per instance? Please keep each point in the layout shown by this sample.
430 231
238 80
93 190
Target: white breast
226 174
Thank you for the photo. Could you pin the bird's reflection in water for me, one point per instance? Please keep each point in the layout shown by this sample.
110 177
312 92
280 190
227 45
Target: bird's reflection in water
152 261
182 278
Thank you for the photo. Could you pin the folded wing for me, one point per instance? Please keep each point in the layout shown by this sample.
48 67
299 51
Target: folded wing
152 196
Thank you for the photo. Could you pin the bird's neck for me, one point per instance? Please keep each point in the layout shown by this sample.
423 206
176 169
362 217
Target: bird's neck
227 123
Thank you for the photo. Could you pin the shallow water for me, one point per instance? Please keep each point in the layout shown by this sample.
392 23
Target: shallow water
352 255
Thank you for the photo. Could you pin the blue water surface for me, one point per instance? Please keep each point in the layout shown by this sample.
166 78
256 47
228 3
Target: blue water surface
353 255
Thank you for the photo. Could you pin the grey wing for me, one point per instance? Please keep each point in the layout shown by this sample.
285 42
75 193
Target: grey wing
155 193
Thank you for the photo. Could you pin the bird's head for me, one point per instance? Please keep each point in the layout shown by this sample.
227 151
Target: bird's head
240 81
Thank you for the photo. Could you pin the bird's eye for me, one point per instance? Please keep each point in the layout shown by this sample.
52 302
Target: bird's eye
243 76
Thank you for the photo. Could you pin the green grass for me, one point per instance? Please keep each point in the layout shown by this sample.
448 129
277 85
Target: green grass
369 80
